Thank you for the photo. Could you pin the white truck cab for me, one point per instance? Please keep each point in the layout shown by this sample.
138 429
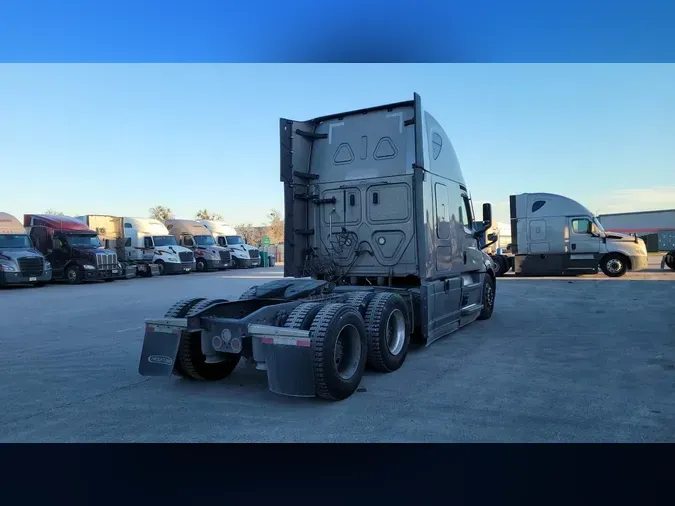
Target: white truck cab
148 239
194 235
243 255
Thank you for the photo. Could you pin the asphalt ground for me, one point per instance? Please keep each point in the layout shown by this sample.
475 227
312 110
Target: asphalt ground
563 359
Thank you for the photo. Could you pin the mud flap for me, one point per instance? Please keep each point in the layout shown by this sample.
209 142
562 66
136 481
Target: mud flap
160 347
290 367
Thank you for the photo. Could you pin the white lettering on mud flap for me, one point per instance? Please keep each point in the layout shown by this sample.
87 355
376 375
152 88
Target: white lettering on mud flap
160 359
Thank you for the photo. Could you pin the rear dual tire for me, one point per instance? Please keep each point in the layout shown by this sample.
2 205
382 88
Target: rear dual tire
191 362
388 330
380 320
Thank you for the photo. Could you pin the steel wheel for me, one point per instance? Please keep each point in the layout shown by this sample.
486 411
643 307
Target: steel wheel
347 351
395 332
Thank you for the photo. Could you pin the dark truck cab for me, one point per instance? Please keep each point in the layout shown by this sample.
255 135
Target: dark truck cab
72 248
20 263
381 244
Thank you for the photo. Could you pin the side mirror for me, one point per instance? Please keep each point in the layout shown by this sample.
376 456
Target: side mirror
487 214
492 237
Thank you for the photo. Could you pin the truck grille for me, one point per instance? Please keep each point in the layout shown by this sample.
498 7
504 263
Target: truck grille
106 261
31 266
254 253
225 256
186 256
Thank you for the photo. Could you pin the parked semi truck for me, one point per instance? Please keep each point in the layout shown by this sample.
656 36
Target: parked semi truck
381 243
195 236
20 262
144 244
555 235
72 248
243 255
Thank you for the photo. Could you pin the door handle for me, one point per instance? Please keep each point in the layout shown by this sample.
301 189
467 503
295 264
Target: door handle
465 257
446 285
574 246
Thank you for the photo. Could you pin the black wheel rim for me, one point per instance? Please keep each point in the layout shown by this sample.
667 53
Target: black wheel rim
489 296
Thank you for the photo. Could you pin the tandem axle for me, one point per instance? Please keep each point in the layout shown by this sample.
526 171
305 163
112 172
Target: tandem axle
312 338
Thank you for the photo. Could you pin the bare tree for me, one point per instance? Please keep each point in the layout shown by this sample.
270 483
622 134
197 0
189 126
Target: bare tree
161 213
204 214
275 230
54 212
252 235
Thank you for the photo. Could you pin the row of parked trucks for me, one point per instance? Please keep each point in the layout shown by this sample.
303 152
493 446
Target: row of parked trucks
102 247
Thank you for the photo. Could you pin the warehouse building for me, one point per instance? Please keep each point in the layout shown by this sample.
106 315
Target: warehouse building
657 228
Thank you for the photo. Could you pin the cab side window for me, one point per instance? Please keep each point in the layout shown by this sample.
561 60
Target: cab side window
187 241
465 212
581 225
147 242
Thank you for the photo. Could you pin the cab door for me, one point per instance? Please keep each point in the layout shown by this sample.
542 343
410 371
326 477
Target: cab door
584 247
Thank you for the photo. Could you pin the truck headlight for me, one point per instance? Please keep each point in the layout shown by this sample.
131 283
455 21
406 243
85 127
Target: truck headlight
48 266
89 267
8 268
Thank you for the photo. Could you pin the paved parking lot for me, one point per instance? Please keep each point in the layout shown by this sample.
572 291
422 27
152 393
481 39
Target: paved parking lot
580 359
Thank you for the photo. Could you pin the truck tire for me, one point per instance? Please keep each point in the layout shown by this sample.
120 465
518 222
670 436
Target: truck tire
488 300
193 362
182 307
388 332
179 310
614 265
235 264
669 260
340 351
360 301
502 264
202 305
160 264
201 265
73 275
302 316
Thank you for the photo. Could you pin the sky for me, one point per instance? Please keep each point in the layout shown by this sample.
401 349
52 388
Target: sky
120 138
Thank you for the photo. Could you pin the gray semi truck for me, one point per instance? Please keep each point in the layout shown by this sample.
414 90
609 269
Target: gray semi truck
381 244
553 235
20 262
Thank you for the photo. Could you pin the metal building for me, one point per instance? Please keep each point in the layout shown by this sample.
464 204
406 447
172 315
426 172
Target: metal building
657 228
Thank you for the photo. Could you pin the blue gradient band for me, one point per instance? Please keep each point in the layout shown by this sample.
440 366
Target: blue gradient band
344 31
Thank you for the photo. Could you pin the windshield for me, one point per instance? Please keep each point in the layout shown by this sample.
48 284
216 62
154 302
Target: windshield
84 241
204 240
8 241
164 240
598 224
234 239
